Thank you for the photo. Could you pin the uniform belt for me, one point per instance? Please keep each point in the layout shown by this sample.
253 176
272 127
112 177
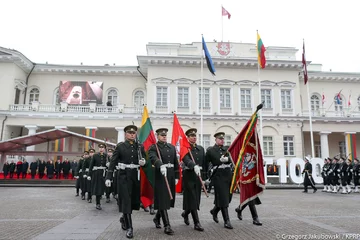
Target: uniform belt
80 171
168 165
222 166
86 170
99 168
186 168
123 166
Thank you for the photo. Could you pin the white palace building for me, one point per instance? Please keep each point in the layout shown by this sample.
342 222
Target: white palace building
37 97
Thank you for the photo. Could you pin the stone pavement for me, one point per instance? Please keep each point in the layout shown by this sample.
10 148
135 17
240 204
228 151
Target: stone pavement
54 213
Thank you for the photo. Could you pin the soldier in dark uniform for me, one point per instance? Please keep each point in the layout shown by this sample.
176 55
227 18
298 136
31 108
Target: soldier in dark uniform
308 179
42 166
348 175
221 177
25 168
58 167
85 170
97 174
33 168
109 190
191 183
333 175
327 181
324 173
80 175
356 174
166 166
128 157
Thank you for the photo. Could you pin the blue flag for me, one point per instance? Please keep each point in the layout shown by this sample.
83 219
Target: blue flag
209 61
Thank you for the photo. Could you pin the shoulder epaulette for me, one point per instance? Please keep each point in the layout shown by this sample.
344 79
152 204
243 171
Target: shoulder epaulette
119 144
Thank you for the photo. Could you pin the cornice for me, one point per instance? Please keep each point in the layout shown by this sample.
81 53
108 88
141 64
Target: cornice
316 76
16 57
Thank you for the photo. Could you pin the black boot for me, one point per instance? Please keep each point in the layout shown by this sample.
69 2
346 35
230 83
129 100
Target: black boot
197 225
123 222
152 211
239 211
226 218
254 215
185 215
214 213
167 227
156 219
129 231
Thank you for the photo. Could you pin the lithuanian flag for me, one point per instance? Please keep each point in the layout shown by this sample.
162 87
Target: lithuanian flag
261 52
147 138
351 145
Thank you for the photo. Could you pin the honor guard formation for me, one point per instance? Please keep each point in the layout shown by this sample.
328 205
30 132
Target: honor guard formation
117 172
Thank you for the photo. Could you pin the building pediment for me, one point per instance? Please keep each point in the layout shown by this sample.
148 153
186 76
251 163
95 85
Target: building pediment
20 84
286 84
225 82
183 81
246 83
205 82
162 80
268 83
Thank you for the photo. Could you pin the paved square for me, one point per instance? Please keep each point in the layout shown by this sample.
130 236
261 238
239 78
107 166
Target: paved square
55 213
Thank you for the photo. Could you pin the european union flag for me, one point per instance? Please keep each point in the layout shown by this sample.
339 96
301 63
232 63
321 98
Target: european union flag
209 61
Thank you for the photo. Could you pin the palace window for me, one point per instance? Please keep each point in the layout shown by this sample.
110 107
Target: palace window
161 96
34 95
139 99
286 99
183 97
245 98
266 98
206 100
288 142
268 146
112 97
225 98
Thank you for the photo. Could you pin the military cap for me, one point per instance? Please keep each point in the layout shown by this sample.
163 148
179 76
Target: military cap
130 128
110 150
342 158
329 158
336 158
307 159
162 131
86 152
356 159
91 150
191 132
101 145
220 135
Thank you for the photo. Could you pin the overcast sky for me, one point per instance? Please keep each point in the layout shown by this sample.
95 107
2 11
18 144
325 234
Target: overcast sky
116 31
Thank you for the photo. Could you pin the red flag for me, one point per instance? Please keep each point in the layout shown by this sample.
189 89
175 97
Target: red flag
181 144
249 170
323 99
304 65
224 12
349 102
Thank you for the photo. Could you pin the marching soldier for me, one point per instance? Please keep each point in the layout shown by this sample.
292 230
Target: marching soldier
356 174
308 179
80 176
85 170
348 174
324 172
128 157
163 157
221 178
97 173
333 175
33 168
194 163
109 190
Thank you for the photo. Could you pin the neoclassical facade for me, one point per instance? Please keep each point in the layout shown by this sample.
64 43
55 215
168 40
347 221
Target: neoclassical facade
168 79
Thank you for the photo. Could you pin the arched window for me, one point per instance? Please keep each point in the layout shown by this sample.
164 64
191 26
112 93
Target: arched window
338 102
112 97
315 102
139 99
34 95
56 96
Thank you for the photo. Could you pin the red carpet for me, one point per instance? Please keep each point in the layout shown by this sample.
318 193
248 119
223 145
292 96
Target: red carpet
28 176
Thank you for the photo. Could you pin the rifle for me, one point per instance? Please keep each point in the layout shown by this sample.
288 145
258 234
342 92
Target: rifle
165 178
202 183
138 144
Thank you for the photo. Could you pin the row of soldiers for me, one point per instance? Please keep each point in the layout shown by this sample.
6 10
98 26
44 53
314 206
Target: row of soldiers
119 169
338 172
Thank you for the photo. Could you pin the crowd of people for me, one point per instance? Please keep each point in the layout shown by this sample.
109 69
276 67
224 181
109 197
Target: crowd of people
61 169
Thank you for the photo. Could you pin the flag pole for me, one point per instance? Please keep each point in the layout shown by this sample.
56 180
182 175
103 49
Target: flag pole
222 24
260 114
201 93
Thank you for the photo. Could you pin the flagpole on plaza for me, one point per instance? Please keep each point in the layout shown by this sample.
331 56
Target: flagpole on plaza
201 93
309 102
260 113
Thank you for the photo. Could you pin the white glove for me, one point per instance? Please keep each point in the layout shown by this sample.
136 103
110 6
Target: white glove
76 177
108 183
142 162
197 170
224 159
163 170
89 178
85 176
107 164
176 181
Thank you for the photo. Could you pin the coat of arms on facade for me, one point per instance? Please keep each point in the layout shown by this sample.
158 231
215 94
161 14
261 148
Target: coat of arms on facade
223 48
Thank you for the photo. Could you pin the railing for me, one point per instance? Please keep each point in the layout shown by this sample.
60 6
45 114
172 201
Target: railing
49 108
20 107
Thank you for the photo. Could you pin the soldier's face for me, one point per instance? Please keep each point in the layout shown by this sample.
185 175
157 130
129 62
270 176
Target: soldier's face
130 136
110 154
91 154
101 149
219 141
162 138
192 139
86 155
